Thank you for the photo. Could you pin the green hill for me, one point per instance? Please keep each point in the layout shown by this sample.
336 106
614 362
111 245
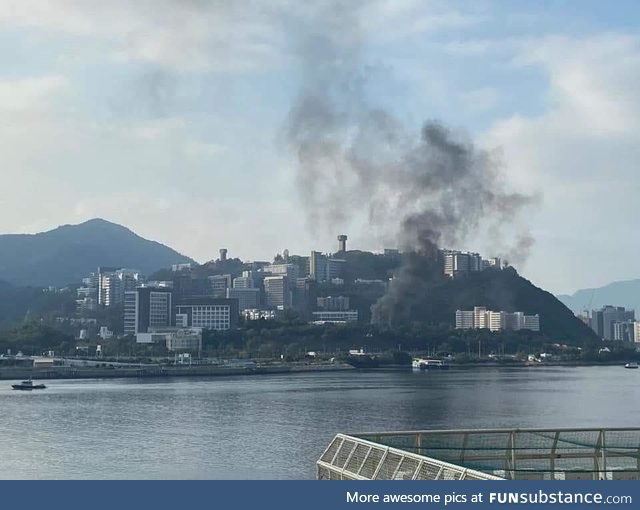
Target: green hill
70 252
421 293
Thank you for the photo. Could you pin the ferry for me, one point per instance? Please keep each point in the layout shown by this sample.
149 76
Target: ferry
28 385
631 364
429 364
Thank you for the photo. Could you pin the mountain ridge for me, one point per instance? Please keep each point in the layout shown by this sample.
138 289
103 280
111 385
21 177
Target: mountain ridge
67 253
619 293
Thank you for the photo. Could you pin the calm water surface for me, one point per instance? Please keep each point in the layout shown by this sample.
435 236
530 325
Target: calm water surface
277 426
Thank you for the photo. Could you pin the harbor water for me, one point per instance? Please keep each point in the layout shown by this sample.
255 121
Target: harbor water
276 426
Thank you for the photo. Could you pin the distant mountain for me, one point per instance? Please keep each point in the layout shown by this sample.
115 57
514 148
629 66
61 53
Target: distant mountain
68 253
625 293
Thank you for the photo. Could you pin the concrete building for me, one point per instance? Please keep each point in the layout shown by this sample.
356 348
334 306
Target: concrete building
624 331
256 314
457 263
175 339
288 270
244 282
247 298
531 322
335 268
481 318
602 321
318 266
301 294
492 262
335 316
465 319
110 289
496 320
113 283
86 304
342 243
219 285
181 267
105 333
147 307
184 340
276 292
333 304
207 313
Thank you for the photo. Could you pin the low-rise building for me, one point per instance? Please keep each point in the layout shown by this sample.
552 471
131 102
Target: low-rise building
257 314
175 339
335 316
207 313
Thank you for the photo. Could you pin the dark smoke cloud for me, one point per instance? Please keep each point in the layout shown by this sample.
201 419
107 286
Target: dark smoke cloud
425 190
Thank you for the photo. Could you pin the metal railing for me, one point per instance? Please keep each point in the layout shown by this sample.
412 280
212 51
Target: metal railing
353 458
579 453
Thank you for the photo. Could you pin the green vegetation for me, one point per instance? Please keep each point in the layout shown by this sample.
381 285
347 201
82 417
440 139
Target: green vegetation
18 304
34 338
69 253
292 339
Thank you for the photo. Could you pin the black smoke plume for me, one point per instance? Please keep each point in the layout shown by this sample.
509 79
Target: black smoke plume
422 191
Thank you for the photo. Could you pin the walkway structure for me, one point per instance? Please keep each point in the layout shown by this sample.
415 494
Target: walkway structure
484 454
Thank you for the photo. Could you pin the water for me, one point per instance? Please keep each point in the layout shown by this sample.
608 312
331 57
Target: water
275 427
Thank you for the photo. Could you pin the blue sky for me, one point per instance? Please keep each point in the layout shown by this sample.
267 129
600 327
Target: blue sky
168 117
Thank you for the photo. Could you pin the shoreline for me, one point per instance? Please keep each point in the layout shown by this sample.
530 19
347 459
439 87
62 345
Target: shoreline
63 372
75 372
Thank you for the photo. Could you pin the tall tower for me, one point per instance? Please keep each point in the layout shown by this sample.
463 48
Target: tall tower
223 254
342 242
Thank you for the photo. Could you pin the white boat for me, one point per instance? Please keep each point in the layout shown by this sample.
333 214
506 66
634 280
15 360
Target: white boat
429 364
631 364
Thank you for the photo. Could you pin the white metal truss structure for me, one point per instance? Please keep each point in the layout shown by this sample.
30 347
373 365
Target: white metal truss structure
353 458
485 454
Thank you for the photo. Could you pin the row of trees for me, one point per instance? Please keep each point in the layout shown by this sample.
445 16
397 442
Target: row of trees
293 338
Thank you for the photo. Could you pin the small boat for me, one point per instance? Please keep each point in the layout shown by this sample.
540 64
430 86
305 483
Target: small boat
429 364
28 385
632 364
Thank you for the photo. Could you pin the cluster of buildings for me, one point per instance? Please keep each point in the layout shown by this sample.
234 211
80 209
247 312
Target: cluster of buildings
458 263
481 318
175 311
614 323
106 287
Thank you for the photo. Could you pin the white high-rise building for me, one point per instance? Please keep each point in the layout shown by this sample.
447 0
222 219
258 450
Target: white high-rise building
496 320
481 318
113 283
465 319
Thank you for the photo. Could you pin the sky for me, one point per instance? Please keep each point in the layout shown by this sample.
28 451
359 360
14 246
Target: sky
170 117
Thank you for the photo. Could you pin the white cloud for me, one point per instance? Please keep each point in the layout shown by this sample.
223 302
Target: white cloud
184 35
582 153
219 36
30 93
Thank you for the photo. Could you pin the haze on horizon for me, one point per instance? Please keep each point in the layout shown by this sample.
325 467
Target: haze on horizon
168 117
